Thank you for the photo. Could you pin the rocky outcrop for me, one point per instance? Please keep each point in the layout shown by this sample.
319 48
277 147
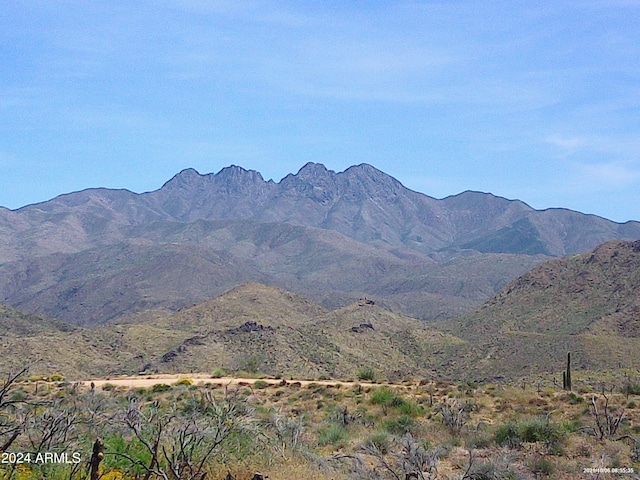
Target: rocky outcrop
251 327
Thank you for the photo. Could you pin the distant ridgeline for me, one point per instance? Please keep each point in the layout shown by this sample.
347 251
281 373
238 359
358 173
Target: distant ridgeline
94 256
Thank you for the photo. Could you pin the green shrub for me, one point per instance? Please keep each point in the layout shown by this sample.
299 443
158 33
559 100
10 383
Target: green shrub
250 364
160 387
367 374
388 399
131 447
508 435
260 384
401 425
572 426
512 434
332 434
479 440
484 471
397 402
378 441
107 387
408 408
574 399
630 387
468 388
538 430
382 396
542 466
218 373
18 396
140 391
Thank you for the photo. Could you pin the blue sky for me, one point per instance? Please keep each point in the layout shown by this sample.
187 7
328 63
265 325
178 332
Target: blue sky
535 100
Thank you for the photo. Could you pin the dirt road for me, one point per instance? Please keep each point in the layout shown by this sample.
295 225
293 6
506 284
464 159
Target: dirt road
167 379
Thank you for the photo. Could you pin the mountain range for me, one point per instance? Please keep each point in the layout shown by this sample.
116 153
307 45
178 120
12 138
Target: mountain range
97 255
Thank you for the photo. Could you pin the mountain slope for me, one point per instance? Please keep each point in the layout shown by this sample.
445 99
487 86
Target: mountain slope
333 237
254 327
251 327
587 304
48 346
570 295
99 284
14 323
172 265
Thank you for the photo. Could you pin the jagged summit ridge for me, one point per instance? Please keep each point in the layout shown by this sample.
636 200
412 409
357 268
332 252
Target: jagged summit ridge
363 178
371 206
232 174
361 202
347 201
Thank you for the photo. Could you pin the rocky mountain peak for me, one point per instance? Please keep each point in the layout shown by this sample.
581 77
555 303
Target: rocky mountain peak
236 174
314 180
614 251
190 195
232 176
314 170
367 179
184 178
364 169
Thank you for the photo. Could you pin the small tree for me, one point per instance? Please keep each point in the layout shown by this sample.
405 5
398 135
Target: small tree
179 443
52 427
454 413
404 459
12 419
606 421
286 432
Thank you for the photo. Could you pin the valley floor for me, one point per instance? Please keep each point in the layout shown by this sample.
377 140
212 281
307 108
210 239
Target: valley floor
326 429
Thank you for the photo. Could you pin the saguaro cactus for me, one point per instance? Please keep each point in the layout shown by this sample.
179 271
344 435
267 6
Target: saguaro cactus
566 375
96 458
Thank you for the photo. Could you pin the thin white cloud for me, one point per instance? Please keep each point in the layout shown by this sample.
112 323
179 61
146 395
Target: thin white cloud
608 176
623 146
568 144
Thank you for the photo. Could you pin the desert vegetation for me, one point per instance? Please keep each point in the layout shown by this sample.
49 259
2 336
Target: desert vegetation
202 429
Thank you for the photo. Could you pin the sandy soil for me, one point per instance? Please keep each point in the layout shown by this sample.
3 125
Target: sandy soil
151 380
